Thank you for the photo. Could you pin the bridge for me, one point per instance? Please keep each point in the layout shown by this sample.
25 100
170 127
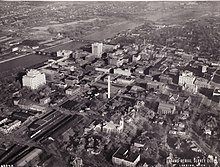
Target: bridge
84 40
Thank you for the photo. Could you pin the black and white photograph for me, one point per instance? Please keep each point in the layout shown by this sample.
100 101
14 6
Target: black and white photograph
109 83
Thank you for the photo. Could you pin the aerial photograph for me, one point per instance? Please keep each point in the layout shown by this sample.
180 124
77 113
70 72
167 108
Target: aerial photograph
109 83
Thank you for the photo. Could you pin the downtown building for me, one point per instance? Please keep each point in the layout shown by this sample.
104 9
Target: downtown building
97 49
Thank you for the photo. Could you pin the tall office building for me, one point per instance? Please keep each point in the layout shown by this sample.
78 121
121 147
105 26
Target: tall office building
34 79
97 49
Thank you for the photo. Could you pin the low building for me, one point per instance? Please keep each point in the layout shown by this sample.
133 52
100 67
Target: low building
165 78
215 81
125 157
124 81
3 120
105 69
154 71
31 159
111 127
51 73
28 105
21 116
165 108
45 100
64 53
10 127
201 83
72 80
125 72
116 62
139 70
109 48
185 56
155 85
140 142
72 90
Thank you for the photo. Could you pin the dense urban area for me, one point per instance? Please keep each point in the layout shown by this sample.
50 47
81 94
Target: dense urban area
110 84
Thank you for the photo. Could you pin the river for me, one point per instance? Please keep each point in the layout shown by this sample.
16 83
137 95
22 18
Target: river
33 59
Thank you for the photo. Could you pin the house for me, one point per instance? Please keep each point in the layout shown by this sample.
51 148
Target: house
140 142
139 70
165 108
123 156
136 57
216 92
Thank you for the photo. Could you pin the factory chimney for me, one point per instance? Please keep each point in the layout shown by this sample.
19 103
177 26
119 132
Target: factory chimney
109 87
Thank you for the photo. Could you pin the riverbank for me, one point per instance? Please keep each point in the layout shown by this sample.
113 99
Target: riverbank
28 60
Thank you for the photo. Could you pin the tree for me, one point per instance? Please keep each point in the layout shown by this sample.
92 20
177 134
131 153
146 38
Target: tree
52 30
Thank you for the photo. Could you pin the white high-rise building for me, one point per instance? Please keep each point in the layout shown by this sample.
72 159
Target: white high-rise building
97 49
34 79
186 80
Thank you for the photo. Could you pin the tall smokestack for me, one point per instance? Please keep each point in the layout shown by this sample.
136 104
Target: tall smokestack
109 87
